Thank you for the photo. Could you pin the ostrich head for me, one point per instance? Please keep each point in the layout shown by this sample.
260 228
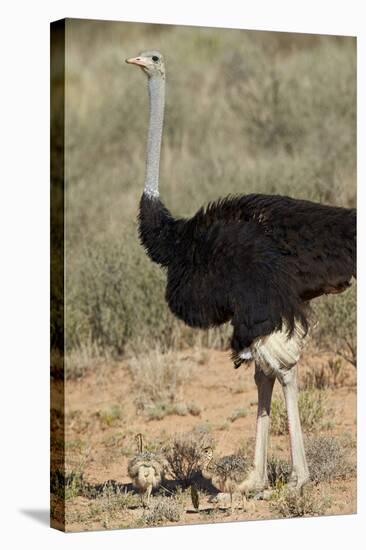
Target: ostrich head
207 456
151 62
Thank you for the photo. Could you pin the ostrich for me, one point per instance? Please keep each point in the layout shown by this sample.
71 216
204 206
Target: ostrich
254 260
225 473
146 470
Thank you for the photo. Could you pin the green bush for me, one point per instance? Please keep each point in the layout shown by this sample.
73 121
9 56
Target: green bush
114 287
336 329
311 411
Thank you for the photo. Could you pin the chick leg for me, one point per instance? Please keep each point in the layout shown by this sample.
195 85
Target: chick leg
148 493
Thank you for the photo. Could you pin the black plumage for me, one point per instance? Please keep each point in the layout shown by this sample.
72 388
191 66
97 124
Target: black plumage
255 260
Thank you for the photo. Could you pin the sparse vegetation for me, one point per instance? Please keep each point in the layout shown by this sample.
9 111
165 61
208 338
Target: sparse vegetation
238 413
66 486
240 387
278 471
158 379
336 330
87 357
332 374
311 410
105 506
289 503
164 509
110 415
184 454
328 459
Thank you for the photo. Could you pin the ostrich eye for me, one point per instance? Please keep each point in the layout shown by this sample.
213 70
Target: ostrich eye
155 58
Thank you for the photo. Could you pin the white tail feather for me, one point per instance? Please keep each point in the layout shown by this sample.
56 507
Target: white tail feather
278 351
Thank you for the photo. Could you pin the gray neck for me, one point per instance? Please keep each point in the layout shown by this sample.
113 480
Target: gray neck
156 87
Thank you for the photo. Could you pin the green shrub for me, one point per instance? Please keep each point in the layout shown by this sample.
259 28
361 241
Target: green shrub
116 286
336 330
311 411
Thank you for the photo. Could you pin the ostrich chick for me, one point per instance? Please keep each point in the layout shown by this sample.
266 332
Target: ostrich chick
146 470
225 473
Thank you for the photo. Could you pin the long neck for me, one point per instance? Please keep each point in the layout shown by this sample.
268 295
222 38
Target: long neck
207 470
156 87
157 227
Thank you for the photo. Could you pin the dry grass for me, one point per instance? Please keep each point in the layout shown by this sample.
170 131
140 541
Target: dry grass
332 374
86 357
184 453
238 413
163 509
66 486
289 503
158 380
278 471
328 459
110 416
105 506
336 330
311 410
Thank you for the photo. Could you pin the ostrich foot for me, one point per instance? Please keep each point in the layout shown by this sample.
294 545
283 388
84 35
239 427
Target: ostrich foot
253 484
297 484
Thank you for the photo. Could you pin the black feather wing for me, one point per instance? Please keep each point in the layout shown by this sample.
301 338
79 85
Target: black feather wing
262 289
275 253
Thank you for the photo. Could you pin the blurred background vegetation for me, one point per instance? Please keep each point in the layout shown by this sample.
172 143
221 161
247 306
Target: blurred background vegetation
246 111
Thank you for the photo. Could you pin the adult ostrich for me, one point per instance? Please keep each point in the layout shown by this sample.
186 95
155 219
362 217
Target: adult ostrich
255 260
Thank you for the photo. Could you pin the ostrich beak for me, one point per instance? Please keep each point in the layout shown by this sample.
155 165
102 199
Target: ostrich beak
141 61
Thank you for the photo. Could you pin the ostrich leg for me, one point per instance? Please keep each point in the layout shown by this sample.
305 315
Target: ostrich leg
257 480
300 472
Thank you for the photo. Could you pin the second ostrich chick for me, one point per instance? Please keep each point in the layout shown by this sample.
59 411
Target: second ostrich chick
146 470
225 473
